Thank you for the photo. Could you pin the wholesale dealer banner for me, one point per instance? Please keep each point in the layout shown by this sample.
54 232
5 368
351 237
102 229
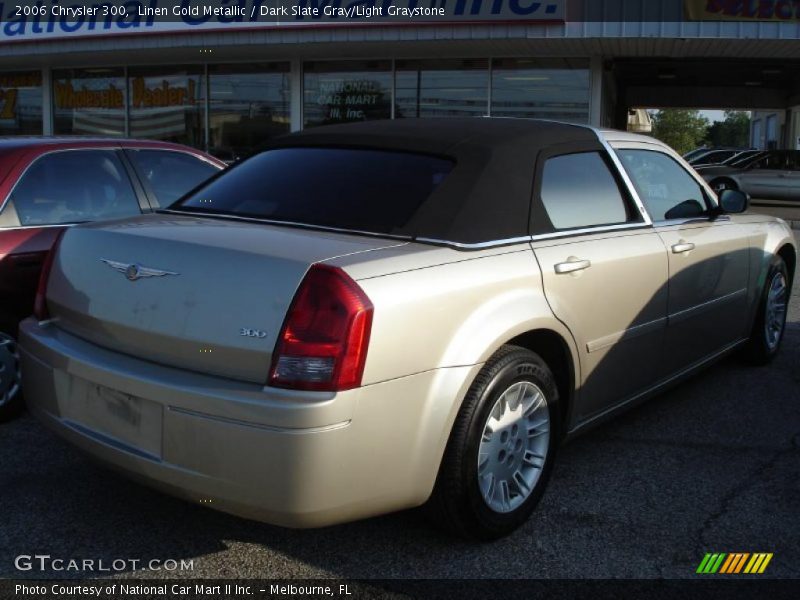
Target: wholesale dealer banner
27 20
743 10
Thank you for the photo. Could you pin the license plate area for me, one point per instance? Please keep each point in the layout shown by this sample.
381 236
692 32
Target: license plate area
129 420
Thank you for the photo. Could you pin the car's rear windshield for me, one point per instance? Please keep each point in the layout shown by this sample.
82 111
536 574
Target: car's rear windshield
365 190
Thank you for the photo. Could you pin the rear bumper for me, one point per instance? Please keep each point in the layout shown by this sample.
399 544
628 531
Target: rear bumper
298 459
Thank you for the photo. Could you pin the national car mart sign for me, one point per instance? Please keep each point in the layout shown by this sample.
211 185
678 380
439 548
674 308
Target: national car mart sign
743 10
26 20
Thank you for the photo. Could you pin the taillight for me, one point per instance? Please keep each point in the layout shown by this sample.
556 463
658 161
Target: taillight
323 343
40 302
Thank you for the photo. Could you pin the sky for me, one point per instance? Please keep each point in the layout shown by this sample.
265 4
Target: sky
713 115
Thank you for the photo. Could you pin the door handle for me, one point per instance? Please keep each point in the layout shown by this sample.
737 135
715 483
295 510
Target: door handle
682 247
572 265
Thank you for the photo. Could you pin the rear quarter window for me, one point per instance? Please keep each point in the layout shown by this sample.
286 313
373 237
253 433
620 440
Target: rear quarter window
579 191
366 190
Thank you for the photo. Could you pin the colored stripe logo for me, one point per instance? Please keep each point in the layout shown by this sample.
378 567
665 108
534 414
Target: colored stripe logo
734 563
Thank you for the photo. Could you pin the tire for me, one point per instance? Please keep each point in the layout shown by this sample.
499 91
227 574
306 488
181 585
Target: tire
464 501
770 323
11 402
723 183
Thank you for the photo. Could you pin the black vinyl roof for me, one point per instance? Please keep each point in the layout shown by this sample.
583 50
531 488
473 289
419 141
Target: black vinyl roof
487 195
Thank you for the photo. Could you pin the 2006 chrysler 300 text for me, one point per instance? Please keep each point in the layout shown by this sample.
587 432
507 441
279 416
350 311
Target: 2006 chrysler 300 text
366 317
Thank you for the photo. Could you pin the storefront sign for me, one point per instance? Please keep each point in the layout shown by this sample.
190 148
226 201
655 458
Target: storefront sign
22 20
164 94
348 100
743 10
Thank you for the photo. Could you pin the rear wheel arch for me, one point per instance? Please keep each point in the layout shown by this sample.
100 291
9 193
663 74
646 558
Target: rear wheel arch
789 256
556 352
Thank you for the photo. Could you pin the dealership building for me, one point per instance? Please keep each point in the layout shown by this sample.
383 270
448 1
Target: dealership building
228 75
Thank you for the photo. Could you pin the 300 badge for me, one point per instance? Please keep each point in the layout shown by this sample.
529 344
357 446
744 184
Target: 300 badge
253 333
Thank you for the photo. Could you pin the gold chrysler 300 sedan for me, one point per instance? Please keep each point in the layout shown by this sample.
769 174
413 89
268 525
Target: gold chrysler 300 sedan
364 318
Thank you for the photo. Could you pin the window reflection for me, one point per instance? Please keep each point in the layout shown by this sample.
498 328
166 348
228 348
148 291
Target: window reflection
248 105
441 88
167 104
89 101
21 103
346 91
556 89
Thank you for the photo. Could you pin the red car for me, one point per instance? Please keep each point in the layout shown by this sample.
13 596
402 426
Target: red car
47 184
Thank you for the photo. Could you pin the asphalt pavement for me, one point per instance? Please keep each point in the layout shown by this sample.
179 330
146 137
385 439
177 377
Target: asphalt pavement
710 466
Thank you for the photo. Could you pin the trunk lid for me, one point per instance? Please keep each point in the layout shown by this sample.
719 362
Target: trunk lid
207 294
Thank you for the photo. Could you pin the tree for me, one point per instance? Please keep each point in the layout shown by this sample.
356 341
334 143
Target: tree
733 131
682 129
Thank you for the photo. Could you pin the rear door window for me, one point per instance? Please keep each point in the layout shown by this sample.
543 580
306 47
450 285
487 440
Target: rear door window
363 190
169 174
579 191
74 186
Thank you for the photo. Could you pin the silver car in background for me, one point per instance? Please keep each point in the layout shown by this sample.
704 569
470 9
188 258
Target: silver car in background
769 175
370 317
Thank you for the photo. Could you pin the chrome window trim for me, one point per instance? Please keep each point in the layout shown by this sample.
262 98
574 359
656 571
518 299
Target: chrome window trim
200 157
422 240
591 230
691 220
475 245
624 174
191 213
15 227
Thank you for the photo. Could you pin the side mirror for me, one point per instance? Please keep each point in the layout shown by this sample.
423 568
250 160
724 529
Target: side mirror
734 201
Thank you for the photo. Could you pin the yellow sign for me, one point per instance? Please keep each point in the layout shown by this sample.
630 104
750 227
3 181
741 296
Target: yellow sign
112 97
743 10
68 97
10 85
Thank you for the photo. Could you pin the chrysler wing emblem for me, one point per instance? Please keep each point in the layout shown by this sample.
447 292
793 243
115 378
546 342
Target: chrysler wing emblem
133 271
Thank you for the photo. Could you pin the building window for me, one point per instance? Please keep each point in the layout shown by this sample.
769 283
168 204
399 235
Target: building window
441 88
167 104
557 89
757 140
346 91
21 103
248 105
772 132
89 101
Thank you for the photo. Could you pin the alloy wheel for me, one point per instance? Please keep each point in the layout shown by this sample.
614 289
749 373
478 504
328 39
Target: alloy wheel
775 315
513 448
